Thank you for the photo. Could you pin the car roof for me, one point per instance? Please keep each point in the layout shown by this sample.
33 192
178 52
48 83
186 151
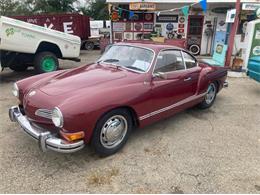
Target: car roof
153 46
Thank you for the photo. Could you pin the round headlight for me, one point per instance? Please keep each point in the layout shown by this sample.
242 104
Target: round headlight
57 117
15 90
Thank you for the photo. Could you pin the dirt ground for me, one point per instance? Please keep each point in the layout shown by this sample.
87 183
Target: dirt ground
209 151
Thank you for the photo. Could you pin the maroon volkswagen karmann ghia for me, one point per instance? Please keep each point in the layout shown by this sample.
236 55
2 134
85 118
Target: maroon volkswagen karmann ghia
131 85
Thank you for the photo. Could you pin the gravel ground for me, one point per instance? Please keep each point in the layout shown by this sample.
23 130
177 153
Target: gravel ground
209 151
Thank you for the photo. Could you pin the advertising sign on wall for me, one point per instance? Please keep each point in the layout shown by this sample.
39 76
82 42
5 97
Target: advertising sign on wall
167 18
142 6
250 6
118 26
255 49
231 15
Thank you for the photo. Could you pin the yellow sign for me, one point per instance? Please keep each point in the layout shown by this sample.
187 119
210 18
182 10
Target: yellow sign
142 6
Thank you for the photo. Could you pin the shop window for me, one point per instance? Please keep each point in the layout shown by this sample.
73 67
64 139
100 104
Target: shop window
168 61
195 26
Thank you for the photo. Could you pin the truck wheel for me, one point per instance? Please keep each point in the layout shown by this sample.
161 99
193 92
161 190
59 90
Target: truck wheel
111 132
46 62
18 67
89 46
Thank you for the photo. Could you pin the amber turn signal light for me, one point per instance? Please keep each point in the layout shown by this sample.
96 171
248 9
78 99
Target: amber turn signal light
72 136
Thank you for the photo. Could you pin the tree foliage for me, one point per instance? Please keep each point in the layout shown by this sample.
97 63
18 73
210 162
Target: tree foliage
96 9
7 7
54 6
28 7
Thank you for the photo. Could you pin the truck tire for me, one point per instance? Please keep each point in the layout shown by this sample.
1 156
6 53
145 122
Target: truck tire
18 67
45 62
89 46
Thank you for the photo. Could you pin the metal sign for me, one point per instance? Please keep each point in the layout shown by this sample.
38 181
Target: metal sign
231 15
169 27
167 18
142 6
250 6
257 13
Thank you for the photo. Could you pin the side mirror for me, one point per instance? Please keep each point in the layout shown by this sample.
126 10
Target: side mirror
160 75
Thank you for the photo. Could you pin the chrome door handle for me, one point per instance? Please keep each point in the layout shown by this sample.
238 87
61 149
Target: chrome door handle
187 79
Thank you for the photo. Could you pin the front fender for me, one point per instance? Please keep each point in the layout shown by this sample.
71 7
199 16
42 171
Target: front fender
82 111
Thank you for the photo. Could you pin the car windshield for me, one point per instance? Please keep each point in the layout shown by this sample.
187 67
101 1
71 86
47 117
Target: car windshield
130 57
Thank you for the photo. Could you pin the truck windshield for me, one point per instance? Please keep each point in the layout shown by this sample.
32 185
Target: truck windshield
135 58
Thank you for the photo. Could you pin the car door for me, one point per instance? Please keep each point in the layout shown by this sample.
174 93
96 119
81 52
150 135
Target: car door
193 72
170 84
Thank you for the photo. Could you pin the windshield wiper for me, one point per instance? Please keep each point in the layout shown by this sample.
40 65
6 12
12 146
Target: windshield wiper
135 68
110 60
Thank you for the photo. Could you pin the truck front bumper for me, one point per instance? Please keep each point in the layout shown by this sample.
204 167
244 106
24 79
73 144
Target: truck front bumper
46 139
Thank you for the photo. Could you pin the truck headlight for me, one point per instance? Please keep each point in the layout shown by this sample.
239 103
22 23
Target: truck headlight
15 90
57 117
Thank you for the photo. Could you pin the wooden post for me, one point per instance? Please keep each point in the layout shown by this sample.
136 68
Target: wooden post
111 24
231 40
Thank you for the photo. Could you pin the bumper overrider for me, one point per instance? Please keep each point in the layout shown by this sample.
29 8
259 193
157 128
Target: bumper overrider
225 85
46 139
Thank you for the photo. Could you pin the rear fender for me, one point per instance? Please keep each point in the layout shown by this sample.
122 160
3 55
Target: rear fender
203 81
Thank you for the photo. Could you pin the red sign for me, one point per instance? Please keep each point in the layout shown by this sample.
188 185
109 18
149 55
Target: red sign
181 25
180 30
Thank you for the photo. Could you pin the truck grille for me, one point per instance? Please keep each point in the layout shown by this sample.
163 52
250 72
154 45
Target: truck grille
44 113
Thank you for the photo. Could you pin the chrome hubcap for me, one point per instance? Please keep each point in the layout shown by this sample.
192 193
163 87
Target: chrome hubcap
211 93
113 131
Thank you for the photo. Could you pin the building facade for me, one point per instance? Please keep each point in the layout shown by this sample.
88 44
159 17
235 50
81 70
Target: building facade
200 30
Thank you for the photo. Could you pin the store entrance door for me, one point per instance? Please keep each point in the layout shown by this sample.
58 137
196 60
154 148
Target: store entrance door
194 35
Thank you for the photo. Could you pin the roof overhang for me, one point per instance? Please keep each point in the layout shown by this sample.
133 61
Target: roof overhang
181 1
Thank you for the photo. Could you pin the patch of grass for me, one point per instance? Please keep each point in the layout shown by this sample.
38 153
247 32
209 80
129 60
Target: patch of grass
102 177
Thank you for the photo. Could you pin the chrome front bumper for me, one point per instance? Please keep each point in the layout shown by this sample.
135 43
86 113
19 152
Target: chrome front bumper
225 84
46 139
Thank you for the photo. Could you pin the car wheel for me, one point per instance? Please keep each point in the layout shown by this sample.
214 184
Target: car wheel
18 67
46 62
112 132
194 49
210 96
89 46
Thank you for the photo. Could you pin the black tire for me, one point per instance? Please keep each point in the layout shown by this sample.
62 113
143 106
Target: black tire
18 67
89 46
96 142
206 104
194 49
39 60
179 36
171 36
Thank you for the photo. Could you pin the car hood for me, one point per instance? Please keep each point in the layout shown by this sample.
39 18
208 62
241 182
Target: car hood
80 78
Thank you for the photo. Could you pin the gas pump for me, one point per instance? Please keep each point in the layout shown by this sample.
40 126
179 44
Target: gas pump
252 55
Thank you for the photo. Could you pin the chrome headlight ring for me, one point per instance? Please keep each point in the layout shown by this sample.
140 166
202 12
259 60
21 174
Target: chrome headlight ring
57 117
15 90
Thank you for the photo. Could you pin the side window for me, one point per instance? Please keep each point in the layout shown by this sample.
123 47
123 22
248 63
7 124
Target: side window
189 60
168 61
